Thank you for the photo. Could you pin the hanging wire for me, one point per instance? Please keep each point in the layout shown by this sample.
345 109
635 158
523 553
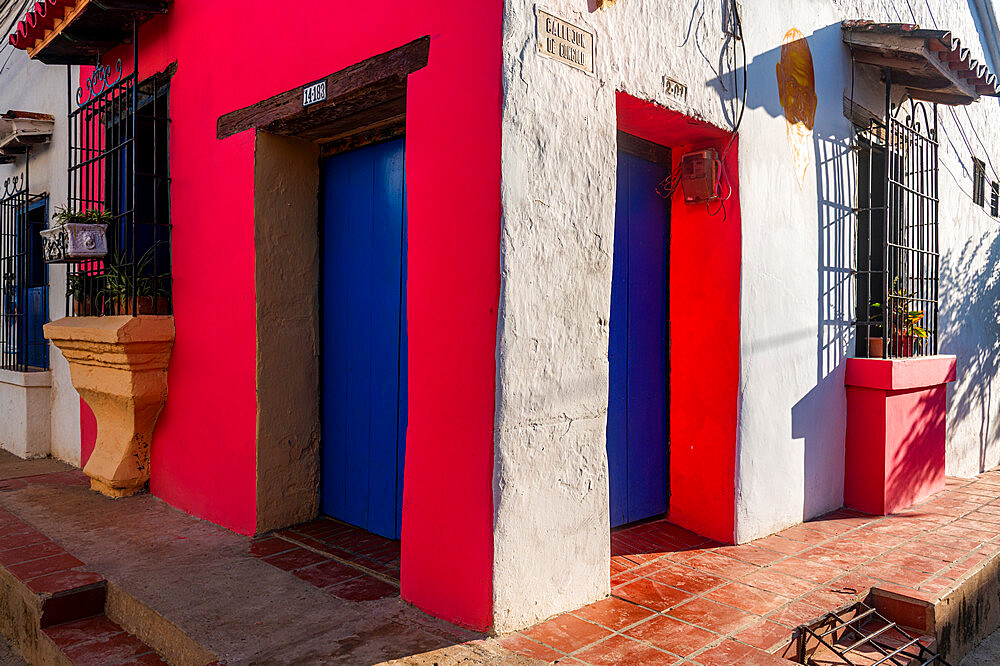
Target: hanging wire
739 120
668 186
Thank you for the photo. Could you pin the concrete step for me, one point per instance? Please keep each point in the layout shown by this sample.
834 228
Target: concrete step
54 611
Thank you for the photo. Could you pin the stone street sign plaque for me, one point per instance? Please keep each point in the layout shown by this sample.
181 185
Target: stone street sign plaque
565 42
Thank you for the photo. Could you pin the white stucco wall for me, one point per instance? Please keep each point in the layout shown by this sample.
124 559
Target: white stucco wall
794 315
26 85
24 405
559 161
558 194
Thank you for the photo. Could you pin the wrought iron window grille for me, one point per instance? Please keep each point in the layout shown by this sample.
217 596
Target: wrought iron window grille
24 289
118 162
897 270
995 199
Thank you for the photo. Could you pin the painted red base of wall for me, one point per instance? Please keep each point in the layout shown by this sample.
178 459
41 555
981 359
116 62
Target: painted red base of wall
704 355
896 414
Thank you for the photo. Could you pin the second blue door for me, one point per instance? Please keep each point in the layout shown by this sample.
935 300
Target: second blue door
364 337
637 353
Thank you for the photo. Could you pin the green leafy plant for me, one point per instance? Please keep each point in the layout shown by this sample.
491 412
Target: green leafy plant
900 318
64 216
122 282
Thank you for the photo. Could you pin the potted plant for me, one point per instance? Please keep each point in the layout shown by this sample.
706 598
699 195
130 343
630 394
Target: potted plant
122 283
904 323
875 342
76 236
83 288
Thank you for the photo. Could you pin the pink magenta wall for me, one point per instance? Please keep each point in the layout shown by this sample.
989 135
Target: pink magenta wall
233 55
704 328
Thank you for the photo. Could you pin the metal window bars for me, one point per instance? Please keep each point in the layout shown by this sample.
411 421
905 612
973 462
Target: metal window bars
23 279
995 199
118 163
897 272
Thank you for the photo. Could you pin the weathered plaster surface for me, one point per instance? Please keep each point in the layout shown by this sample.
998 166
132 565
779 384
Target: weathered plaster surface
796 302
26 85
795 317
559 161
286 265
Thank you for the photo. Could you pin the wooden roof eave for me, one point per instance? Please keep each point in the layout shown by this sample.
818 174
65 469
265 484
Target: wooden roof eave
911 57
91 28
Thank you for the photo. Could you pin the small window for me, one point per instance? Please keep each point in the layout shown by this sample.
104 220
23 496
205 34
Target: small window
995 200
897 264
120 165
24 304
978 182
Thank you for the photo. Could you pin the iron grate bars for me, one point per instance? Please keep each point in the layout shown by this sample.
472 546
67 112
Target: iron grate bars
23 280
118 164
898 259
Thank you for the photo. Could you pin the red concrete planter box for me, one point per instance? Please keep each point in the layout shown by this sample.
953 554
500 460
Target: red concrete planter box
895 431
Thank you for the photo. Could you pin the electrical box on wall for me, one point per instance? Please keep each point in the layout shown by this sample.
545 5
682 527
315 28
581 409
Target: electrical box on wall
700 176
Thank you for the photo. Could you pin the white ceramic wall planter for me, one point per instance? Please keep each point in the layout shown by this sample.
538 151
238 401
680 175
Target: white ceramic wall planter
74 242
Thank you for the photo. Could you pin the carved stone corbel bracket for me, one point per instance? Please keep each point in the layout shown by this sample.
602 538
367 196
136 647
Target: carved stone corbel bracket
119 367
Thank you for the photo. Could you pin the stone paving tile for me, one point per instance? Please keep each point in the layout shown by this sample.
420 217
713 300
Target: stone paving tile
718 617
710 603
747 598
687 578
673 635
765 635
567 633
651 594
614 613
732 652
526 647
621 650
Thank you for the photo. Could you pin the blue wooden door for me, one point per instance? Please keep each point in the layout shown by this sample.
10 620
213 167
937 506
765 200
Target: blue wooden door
364 336
637 353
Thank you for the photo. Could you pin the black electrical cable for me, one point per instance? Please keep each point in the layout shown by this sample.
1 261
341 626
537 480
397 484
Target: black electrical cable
739 119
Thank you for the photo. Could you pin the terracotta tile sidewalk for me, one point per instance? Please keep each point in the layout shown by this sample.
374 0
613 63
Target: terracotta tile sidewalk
346 561
681 598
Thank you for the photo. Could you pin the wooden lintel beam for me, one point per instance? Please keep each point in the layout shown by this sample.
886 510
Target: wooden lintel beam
377 103
395 64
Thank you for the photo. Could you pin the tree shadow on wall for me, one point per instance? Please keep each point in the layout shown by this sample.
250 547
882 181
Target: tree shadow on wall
970 306
817 417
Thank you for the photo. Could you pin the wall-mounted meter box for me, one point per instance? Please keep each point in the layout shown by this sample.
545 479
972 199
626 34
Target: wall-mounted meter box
700 176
